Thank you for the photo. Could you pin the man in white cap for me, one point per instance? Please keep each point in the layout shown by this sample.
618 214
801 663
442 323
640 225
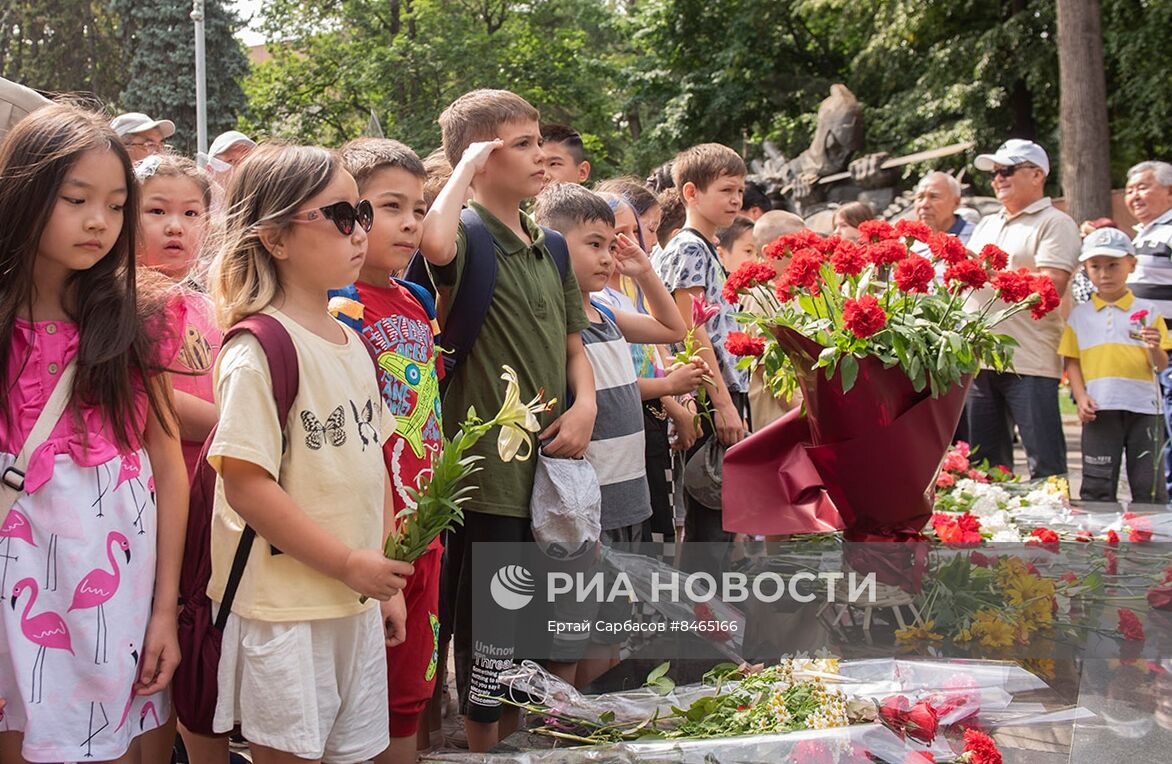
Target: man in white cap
231 147
1043 240
142 135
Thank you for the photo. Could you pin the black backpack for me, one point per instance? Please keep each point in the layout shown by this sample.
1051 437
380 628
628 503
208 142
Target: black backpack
477 282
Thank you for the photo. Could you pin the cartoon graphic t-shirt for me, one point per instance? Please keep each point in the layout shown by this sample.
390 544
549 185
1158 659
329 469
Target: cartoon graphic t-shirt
403 336
327 456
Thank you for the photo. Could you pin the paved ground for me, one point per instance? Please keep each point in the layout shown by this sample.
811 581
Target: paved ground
452 728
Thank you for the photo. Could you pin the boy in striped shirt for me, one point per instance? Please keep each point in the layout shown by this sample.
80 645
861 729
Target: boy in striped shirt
616 448
1113 346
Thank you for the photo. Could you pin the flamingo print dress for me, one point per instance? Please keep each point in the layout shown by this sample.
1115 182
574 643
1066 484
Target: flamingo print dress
77 568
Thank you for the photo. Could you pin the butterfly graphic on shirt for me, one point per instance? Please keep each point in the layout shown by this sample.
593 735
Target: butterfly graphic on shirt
316 433
365 421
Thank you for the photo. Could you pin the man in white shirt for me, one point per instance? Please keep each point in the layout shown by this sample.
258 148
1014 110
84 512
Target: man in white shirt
1044 240
1148 196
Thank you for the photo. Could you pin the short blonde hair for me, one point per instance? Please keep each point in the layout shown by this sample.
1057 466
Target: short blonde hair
476 116
267 189
705 163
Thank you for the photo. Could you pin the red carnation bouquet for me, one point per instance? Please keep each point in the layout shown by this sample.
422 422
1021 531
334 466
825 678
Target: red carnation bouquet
887 298
878 337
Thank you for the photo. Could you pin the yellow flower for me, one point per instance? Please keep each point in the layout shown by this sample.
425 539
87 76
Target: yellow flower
922 631
963 636
517 420
992 629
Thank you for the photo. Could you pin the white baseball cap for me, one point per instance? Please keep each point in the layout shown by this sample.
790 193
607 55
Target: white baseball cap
136 122
1107 242
1015 151
227 140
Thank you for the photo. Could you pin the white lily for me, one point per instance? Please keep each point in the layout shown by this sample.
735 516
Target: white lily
517 420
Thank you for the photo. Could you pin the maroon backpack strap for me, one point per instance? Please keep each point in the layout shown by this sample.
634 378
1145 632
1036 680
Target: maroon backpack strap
281 355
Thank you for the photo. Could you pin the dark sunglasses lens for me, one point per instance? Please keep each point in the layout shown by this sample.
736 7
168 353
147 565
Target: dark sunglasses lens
365 215
342 213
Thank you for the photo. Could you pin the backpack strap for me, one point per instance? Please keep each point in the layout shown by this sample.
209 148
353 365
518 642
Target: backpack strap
558 249
604 310
421 293
281 356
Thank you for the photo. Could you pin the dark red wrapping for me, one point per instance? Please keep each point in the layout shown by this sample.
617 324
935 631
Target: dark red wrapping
864 462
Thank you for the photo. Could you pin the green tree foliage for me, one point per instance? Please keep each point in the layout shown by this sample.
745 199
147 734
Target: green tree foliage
161 69
644 78
334 63
63 46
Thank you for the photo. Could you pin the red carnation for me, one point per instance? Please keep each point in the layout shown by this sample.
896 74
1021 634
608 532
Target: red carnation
948 248
747 275
914 274
829 244
1085 536
955 461
995 257
803 270
876 230
970 273
848 259
1044 536
1139 528
886 252
739 343
912 229
893 712
1014 286
1160 596
1044 288
980 747
863 317
1139 315
790 243
981 560
1130 626
1112 537
922 721
945 480
968 522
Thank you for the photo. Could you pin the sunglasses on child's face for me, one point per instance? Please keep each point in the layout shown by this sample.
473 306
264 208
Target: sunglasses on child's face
344 215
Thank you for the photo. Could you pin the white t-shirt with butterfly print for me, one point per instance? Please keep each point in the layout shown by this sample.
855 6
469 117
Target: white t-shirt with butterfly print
332 467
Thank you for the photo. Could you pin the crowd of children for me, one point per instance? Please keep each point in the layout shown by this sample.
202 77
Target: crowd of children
122 283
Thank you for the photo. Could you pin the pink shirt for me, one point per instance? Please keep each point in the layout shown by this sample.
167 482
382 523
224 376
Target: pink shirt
38 354
200 344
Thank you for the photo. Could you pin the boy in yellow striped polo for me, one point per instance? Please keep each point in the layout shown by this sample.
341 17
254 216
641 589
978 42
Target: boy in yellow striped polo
1113 345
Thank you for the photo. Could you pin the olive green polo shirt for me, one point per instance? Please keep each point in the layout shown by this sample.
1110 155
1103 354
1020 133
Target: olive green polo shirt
531 312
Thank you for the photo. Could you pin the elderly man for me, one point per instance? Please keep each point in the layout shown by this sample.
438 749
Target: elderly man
142 135
1044 240
937 198
1148 196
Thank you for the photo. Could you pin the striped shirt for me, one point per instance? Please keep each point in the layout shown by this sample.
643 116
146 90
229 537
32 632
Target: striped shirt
1116 367
1152 278
617 446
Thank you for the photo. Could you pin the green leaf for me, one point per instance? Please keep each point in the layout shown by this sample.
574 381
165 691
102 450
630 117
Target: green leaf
849 368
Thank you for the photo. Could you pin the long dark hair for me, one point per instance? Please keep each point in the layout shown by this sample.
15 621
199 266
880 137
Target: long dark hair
114 353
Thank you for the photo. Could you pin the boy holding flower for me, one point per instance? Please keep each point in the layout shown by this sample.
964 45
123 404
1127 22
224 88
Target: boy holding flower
1113 346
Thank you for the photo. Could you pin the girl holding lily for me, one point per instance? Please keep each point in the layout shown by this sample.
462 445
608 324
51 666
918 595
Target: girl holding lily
313 488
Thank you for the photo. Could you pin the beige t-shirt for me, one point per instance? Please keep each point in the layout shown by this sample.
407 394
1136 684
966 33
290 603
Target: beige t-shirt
1040 236
333 467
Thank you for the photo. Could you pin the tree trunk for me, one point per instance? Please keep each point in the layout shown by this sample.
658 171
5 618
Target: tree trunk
1082 111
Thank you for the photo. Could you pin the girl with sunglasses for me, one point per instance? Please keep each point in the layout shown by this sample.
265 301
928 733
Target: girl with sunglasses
301 654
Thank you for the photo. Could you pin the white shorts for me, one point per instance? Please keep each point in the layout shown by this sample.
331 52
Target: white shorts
316 689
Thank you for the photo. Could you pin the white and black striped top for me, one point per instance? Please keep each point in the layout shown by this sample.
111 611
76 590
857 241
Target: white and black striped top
617 446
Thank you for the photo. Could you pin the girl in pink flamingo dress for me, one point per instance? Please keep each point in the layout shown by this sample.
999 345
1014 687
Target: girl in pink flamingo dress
87 622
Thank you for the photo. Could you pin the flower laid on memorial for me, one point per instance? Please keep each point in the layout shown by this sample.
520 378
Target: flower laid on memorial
903 295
